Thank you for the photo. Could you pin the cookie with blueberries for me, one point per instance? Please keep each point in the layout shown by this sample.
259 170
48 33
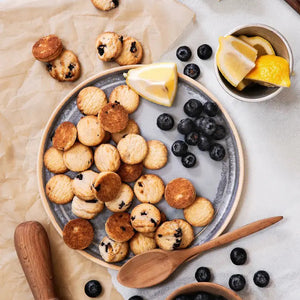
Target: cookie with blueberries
132 52
109 46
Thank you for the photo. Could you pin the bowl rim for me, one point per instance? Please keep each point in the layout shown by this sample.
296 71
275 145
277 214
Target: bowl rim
279 89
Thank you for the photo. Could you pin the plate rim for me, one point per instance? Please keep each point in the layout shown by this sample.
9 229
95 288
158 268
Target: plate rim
40 158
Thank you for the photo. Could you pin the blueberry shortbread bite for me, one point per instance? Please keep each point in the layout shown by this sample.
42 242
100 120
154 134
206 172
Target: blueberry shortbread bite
141 243
86 209
122 201
59 189
130 173
82 185
132 127
187 232
53 160
65 136
107 158
105 5
157 156
112 251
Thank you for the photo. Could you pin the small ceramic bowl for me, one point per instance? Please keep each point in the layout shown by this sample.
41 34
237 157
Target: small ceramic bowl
258 93
208 287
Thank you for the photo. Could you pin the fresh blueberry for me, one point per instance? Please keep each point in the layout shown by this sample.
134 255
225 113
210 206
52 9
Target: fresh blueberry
192 138
185 126
165 122
203 274
216 152
199 123
220 133
183 297
184 53
179 148
93 288
136 298
188 160
210 108
238 256
261 278
237 282
209 126
193 108
204 51
203 143
203 296
192 70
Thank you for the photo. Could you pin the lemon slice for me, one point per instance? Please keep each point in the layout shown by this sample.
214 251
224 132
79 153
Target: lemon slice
235 58
156 82
262 46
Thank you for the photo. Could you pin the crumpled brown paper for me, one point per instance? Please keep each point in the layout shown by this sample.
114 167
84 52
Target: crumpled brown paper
28 96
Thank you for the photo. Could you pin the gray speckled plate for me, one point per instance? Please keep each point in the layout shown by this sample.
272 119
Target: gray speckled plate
221 182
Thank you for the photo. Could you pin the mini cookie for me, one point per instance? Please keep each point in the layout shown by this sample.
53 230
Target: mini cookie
106 186
105 4
90 132
122 201
53 160
145 218
65 136
157 156
200 213
82 185
132 52
107 158
118 227
86 209
59 189
126 97
132 148
113 117
130 173
78 158
109 46
47 48
112 251
168 235
78 234
187 232
140 243
149 188
90 100
66 67
131 127
180 193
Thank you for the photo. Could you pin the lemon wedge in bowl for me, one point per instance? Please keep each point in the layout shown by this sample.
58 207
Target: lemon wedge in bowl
156 82
262 46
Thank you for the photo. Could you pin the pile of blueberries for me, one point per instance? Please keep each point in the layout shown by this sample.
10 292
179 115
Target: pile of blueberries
202 131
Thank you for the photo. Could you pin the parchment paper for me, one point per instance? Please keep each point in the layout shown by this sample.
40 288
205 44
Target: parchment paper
28 96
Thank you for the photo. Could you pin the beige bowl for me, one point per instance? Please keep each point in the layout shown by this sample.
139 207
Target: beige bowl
258 93
208 287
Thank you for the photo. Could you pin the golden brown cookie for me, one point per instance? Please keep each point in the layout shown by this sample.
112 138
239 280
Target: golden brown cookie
122 201
200 213
141 243
59 189
180 193
113 117
157 156
112 251
130 173
65 136
47 48
78 234
105 5
82 185
106 186
132 127
53 160
107 158
187 232
86 209
109 46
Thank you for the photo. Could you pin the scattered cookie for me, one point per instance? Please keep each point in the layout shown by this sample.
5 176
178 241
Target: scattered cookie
105 4
187 232
132 52
180 193
78 234
149 188
130 173
141 243
157 156
122 201
53 160
128 98
86 209
82 185
112 251
107 158
200 213
132 148
132 127
78 158
90 100
59 189
145 217
65 136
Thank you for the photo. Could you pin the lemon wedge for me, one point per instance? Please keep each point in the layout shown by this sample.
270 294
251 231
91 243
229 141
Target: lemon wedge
271 69
235 59
262 46
156 82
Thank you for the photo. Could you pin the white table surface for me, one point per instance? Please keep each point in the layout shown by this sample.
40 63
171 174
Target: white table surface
270 133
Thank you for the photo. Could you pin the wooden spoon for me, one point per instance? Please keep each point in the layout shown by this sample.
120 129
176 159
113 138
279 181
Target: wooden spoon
153 267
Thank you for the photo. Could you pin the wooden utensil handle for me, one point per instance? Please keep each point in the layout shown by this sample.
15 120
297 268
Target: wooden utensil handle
33 249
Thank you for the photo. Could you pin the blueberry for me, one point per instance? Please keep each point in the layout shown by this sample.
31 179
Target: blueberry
203 143
238 256
199 122
204 51
192 138
237 282
185 126
188 160
93 288
209 126
216 152
193 108
183 297
192 70
210 108
184 53
220 133
203 274
179 148
165 122
203 296
261 278
136 298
